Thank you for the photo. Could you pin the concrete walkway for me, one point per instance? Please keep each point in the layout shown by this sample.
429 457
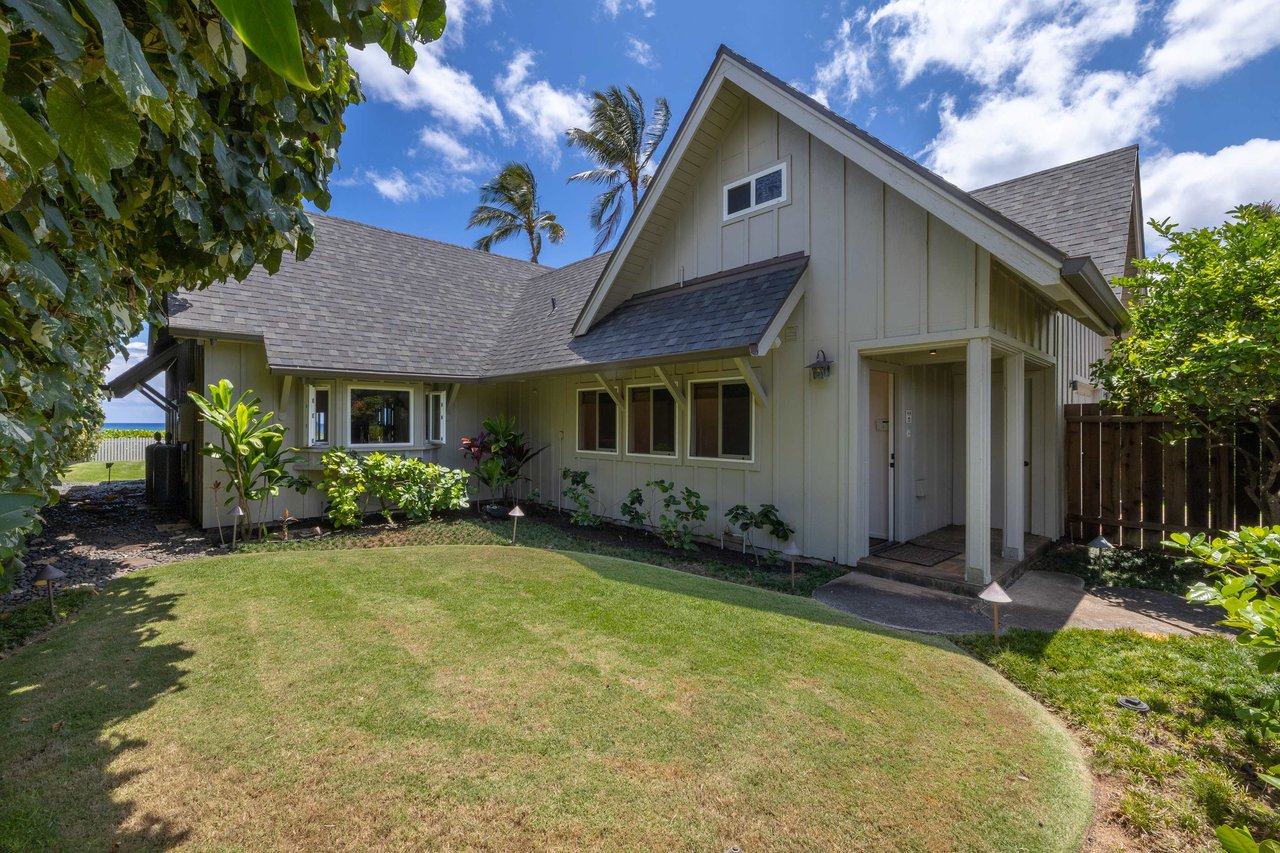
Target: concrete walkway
1043 601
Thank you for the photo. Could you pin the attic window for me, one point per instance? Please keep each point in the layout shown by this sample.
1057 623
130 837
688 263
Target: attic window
756 191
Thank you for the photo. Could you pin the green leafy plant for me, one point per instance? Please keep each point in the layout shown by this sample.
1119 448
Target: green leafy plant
680 514
765 518
500 453
149 148
418 489
1240 840
580 493
1205 340
633 510
250 448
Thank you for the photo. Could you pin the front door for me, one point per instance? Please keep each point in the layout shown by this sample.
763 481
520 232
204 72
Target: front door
881 415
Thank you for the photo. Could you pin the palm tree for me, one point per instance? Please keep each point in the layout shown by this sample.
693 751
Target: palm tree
621 141
509 205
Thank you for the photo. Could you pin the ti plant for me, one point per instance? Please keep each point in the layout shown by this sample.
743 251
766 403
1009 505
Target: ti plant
766 518
500 453
250 450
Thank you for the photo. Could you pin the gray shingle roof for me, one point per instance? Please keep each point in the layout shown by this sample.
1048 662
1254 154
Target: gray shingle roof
1083 208
727 311
375 301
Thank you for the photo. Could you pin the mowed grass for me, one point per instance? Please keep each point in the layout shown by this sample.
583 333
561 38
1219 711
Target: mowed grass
1189 764
96 472
510 699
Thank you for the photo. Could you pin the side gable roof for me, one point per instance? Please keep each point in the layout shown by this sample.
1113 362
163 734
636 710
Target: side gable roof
1090 207
1085 294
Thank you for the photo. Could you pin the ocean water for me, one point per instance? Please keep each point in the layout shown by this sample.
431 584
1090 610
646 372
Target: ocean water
133 425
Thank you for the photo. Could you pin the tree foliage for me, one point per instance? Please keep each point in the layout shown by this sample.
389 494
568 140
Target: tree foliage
1205 343
622 140
143 149
509 206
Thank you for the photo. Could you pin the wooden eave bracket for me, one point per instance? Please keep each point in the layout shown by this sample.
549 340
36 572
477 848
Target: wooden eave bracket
613 392
669 384
752 379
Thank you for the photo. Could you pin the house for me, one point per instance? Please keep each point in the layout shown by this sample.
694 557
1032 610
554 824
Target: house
775 235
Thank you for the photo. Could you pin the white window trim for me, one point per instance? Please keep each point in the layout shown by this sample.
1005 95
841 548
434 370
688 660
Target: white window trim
627 431
751 180
312 387
577 418
375 386
444 416
751 425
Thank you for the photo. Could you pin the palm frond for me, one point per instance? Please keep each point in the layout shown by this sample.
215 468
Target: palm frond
505 232
599 176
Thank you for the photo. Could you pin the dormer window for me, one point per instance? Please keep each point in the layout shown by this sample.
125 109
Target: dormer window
764 188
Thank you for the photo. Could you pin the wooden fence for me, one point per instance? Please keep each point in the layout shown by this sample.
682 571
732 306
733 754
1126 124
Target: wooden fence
122 449
1135 490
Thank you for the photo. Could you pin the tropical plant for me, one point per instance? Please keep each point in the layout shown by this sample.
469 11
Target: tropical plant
765 518
622 140
509 206
418 489
250 448
1245 568
580 492
500 453
1205 345
145 150
679 517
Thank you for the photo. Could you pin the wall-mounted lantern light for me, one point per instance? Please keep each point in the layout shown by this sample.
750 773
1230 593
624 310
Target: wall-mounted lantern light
516 514
820 367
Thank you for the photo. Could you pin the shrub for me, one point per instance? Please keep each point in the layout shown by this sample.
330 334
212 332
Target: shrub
580 493
418 489
765 518
680 517
500 454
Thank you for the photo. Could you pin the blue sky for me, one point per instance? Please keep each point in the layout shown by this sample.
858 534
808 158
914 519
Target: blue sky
977 91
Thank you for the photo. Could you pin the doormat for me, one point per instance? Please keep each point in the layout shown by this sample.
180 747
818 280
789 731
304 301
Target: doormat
917 554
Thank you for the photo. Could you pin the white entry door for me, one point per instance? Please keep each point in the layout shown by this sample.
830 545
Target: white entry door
881 415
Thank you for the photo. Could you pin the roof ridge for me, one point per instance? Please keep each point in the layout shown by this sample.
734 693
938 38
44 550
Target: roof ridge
539 268
1038 172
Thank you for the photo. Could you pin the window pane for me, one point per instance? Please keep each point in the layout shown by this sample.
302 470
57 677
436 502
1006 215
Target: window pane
664 421
736 419
379 416
587 420
769 187
738 198
608 438
638 413
320 417
435 417
706 419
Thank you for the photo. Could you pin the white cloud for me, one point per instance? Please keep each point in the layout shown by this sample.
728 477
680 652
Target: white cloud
613 8
461 12
1037 101
1195 189
542 110
641 52
398 187
848 69
447 92
134 408
457 156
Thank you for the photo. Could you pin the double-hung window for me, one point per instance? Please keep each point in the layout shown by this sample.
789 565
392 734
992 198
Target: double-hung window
318 415
720 420
435 416
380 416
651 421
597 421
763 189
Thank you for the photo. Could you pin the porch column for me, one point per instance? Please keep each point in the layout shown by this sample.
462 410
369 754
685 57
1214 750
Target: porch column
977 463
1015 435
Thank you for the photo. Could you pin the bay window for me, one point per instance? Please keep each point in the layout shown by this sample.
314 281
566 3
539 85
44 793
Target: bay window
380 416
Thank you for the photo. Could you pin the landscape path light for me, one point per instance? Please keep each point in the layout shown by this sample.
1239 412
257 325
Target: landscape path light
516 514
791 552
995 594
47 576
1097 545
236 515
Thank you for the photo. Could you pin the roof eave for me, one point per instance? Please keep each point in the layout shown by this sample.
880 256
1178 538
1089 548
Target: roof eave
1088 282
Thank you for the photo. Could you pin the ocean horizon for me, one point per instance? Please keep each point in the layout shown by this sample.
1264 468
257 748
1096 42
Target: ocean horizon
154 427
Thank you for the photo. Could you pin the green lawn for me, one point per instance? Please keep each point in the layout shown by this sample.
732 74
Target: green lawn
510 699
1181 769
96 472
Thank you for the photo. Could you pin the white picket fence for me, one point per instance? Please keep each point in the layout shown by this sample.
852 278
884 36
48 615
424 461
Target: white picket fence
122 449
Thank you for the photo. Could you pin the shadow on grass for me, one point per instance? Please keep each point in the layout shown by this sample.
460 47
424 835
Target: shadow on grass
59 699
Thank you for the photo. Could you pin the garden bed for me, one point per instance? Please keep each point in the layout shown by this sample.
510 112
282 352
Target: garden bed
1126 568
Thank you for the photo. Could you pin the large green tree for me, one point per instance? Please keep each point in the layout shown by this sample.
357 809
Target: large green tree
510 207
147 147
622 140
1205 344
